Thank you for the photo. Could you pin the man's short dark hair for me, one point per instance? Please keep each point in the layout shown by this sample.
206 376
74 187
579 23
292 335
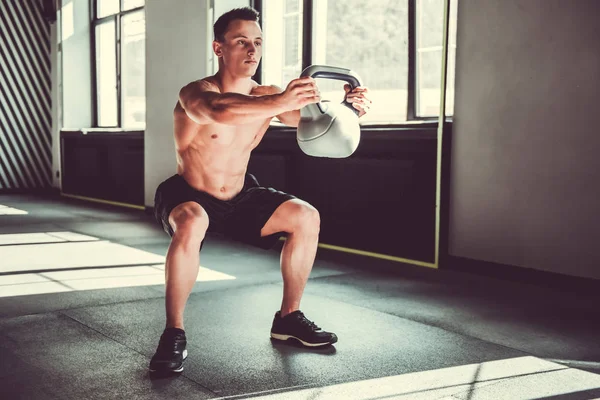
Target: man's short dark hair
244 13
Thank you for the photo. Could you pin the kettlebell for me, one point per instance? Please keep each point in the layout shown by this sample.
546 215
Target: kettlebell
326 129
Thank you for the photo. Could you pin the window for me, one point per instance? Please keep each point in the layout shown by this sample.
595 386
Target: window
282 29
119 36
106 74
369 37
376 48
133 69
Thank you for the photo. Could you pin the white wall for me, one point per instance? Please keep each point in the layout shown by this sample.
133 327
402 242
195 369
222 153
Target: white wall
525 166
176 47
178 38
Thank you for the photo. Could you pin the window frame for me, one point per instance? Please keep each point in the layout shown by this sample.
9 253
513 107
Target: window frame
411 111
94 22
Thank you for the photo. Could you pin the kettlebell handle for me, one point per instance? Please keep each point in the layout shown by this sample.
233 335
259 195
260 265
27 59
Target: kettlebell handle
341 74
327 72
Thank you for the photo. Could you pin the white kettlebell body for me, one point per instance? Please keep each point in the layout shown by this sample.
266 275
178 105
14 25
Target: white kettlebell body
326 129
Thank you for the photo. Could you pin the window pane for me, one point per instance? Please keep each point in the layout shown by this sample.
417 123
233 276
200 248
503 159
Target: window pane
282 31
292 6
106 74
376 49
107 7
429 27
133 82
129 4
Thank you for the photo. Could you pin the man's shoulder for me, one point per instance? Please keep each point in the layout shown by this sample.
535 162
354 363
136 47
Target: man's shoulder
208 83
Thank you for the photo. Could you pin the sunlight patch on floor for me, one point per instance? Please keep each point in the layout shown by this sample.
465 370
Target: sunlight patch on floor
66 255
90 279
5 210
43 237
514 378
67 261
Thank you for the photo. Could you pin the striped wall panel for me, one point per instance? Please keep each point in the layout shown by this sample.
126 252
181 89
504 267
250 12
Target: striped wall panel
25 97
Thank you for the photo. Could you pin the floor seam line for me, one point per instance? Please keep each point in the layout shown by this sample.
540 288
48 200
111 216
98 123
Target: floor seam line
55 281
41 271
429 325
127 347
158 296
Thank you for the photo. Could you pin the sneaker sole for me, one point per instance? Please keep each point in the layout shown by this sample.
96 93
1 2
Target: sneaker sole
180 369
281 337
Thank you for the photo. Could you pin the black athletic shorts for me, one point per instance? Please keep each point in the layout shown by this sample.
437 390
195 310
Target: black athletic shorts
240 218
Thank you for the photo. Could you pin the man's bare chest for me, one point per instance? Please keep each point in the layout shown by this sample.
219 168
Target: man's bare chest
231 137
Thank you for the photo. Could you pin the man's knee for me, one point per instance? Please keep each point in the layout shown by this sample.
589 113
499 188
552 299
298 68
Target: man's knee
304 217
189 220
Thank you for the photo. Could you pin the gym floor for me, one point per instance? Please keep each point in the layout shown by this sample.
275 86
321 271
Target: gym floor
81 311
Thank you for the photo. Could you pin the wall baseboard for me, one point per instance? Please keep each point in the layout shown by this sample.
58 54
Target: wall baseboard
103 201
523 275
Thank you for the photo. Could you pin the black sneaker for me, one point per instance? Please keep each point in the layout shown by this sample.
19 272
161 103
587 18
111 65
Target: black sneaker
170 353
296 326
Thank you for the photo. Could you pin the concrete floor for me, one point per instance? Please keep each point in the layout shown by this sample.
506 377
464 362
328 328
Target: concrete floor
81 310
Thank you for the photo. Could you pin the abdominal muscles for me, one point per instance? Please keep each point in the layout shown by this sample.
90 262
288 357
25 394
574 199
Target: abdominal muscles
216 165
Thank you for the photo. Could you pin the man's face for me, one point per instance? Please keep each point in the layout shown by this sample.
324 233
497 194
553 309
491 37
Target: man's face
242 49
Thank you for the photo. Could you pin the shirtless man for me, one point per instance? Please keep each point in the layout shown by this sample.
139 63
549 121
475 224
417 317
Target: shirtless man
218 121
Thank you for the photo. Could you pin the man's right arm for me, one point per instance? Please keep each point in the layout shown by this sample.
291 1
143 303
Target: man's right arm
204 104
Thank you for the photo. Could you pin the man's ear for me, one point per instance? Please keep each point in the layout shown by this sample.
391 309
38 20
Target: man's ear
217 48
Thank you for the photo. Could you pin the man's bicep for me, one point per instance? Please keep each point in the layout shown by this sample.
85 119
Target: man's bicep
195 99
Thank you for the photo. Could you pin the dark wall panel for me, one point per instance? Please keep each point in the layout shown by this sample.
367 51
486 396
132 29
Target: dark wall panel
106 166
25 97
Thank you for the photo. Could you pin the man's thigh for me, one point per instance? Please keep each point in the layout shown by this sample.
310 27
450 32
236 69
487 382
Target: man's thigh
175 192
169 194
250 214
